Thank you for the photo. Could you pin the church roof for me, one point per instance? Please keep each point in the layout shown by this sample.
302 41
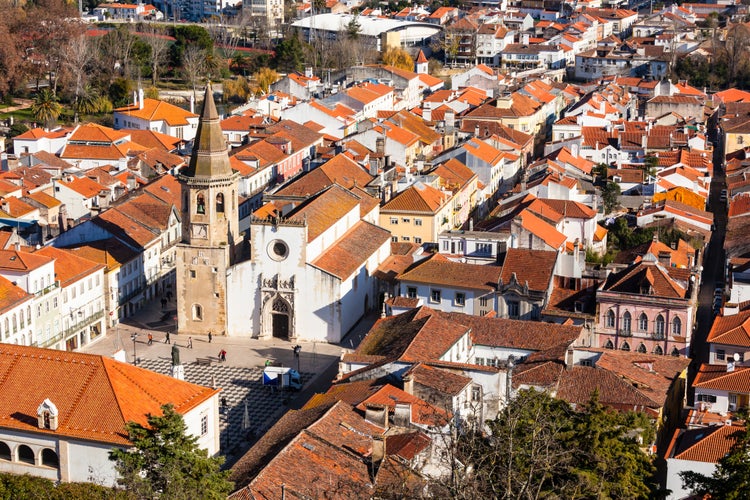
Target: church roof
209 158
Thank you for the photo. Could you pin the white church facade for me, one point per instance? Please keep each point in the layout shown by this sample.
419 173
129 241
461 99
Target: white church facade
302 273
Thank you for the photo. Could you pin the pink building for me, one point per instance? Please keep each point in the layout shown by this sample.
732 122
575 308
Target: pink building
648 307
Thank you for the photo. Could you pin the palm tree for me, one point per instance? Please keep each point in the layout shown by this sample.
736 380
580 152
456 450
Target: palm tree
46 107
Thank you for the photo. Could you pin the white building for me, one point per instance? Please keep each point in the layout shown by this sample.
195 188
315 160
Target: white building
61 426
157 116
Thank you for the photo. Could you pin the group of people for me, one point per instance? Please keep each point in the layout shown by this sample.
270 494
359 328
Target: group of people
189 344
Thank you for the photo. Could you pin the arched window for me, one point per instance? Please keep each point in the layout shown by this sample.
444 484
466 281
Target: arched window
625 346
50 458
676 326
7 327
26 455
675 352
609 345
234 198
220 203
4 451
641 348
610 319
200 204
659 327
643 322
15 323
658 350
626 320
197 312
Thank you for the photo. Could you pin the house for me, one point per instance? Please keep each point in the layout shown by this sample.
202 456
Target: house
37 139
722 388
669 209
158 116
525 283
451 286
647 307
91 145
63 426
729 339
81 196
697 450
15 309
418 213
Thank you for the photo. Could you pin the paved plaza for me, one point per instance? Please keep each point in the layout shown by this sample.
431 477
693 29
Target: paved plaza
239 377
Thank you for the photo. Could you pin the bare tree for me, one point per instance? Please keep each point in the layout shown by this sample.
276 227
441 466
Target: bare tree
159 42
736 48
193 64
79 53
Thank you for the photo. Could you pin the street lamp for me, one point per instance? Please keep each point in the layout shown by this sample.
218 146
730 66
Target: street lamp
133 337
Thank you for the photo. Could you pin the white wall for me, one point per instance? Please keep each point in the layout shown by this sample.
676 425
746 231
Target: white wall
674 482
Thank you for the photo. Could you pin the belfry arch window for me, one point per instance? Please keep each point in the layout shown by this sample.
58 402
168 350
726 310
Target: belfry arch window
200 204
220 203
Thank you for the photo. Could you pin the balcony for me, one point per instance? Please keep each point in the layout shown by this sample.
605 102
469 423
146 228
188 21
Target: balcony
625 332
47 290
80 325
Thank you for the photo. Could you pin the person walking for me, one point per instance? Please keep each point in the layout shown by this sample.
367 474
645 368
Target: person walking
150 339
210 336
166 339
222 355
190 342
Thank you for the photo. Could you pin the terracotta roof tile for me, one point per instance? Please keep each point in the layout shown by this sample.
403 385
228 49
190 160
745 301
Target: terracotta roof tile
11 295
95 395
325 209
532 267
352 250
417 198
645 275
440 271
156 110
731 330
422 412
442 381
705 444
718 378
69 266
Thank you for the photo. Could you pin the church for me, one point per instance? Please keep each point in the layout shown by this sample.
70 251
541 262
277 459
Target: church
303 272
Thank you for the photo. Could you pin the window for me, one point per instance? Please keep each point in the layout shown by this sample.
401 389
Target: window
641 348
484 248
406 220
192 273
411 292
26 455
417 222
659 327
418 240
706 398
460 298
54 302
435 296
643 322
483 301
658 350
675 352
220 203
197 312
676 326
394 220
446 245
394 239
609 345
204 425
514 309
200 205
625 346
626 323
406 238
476 393
609 319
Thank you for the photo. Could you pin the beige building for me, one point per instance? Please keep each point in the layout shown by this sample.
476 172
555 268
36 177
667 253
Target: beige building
209 228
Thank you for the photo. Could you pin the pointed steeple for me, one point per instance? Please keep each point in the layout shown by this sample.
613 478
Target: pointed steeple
209 158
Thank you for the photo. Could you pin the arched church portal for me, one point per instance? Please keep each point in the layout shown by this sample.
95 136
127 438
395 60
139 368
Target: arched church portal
281 318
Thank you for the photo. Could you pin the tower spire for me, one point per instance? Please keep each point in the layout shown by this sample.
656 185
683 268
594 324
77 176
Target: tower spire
209 158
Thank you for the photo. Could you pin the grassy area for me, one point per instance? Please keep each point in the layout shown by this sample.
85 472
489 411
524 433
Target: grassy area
24 115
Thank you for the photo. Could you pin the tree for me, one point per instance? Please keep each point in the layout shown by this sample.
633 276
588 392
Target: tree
540 447
289 56
610 193
158 41
79 54
193 64
731 479
167 463
398 58
265 77
46 107
353 29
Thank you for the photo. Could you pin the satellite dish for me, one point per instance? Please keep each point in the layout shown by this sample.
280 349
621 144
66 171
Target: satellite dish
736 356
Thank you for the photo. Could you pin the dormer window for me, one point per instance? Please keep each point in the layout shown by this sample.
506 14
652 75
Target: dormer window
47 415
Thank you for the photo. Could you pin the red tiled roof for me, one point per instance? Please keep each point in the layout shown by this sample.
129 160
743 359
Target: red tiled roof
95 395
717 377
705 444
439 270
417 198
532 267
156 110
11 295
352 250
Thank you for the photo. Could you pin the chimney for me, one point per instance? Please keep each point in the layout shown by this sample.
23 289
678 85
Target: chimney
644 142
140 98
450 119
380 145
505 101
308 72
17 246
427 114
665 258
576 250
476 130
135 98
378 452
192 103
569 358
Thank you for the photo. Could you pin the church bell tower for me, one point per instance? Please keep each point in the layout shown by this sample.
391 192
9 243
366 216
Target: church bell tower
210 231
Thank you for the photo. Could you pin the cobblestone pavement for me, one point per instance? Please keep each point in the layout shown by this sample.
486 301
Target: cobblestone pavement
250 408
